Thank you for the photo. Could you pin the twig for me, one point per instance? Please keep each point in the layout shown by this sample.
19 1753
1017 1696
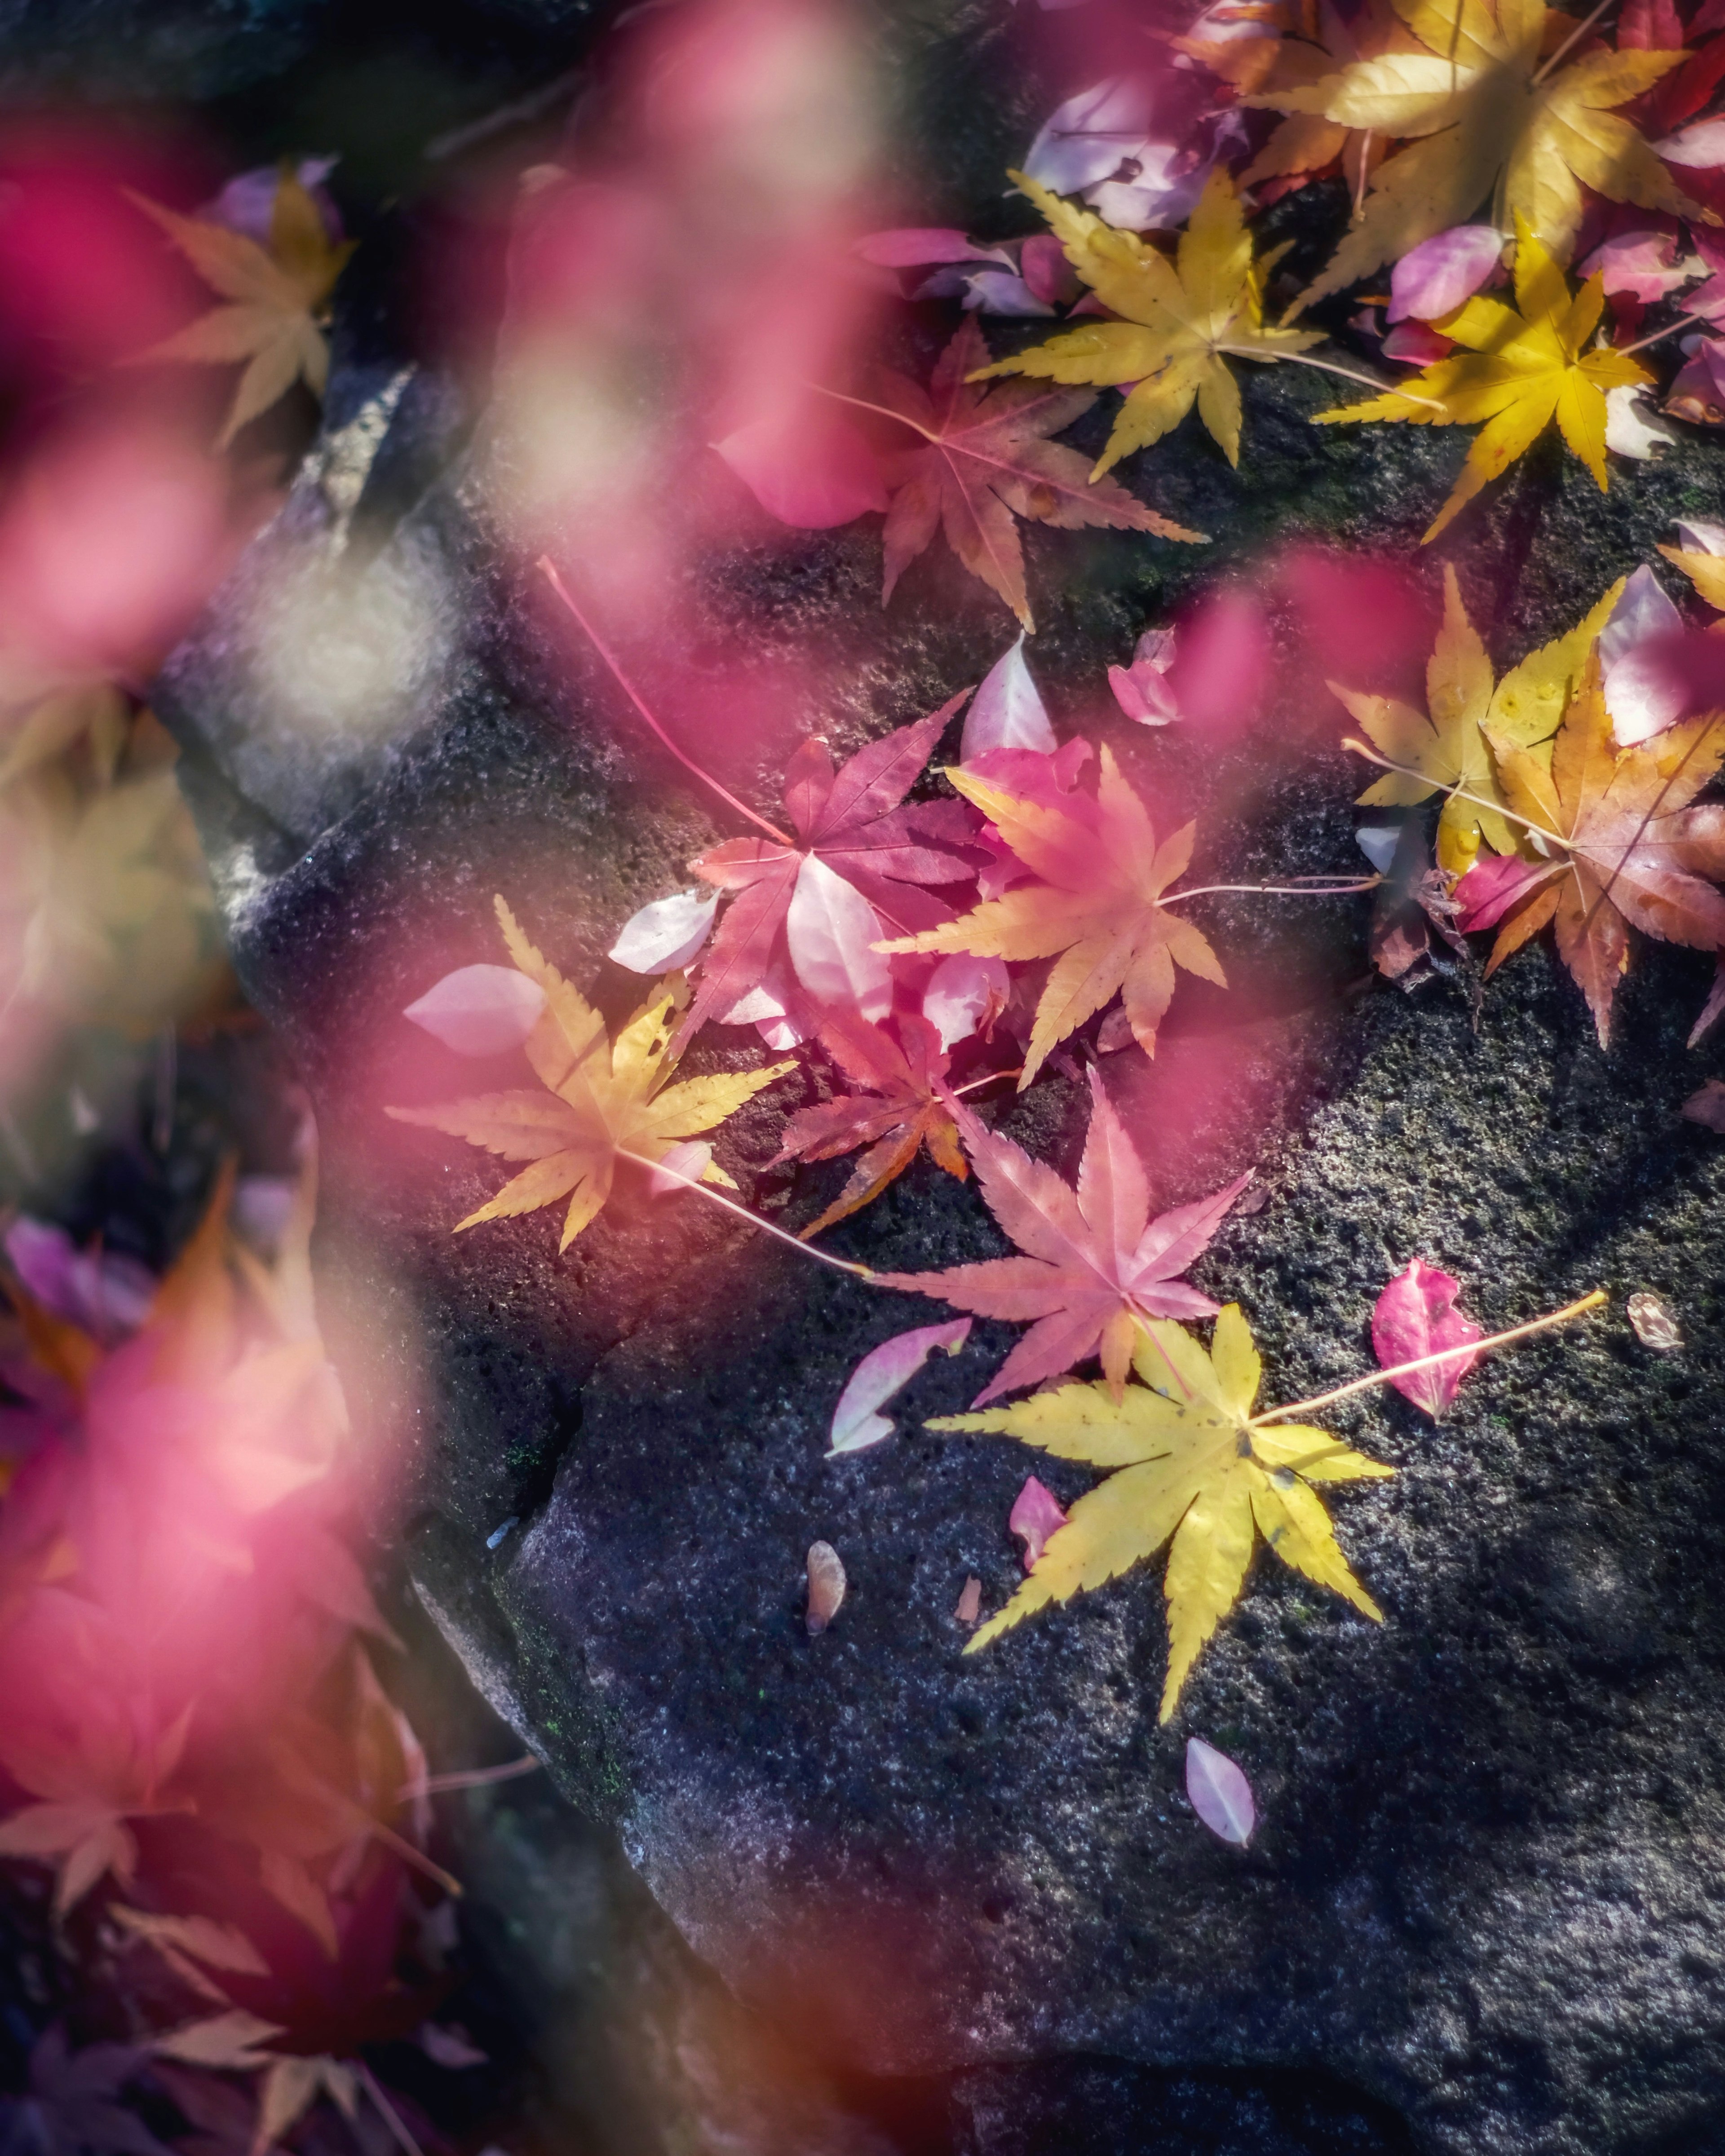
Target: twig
1329 367
1574 38
705 1190
1312 887
469 1778
454 139
1641 344
635 697
1460 793
392 2117
1428 1361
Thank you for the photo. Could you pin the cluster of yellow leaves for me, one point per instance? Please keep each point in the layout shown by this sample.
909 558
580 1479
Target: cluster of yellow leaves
1176 323
1523 367
1306 142
1487 109
1194 1468
1449 746
603 1102
276 298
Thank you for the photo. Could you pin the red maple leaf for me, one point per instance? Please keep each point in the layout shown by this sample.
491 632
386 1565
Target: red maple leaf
986 460
1095 1263
897 1112
850 822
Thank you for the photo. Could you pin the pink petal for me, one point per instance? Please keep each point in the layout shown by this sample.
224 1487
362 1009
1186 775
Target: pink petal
881 1373
964 996
1416 1316
1003 292
1698 392
1044 267
1416 345
1695 538
970 1601
480 1010
1036 1516
1492 887
1646 691
1086 138
689 1160
1707 1106
830 929
1220 1792
1643 263
913 246
1142 690
1007 712
1441 272
810 468
1700 147
826 1586
1642 610
666 934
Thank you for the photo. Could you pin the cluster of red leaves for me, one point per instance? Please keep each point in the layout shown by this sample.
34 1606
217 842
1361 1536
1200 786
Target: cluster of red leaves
190 1722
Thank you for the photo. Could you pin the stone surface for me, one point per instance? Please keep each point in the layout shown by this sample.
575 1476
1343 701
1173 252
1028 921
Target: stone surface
1486 1892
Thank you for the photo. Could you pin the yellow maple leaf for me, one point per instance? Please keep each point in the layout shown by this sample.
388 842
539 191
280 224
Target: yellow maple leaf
1305 141
276 299
1195 1470
1446 744
604 1099
1706 572
1097 907
1522 370
1489 120
1177 321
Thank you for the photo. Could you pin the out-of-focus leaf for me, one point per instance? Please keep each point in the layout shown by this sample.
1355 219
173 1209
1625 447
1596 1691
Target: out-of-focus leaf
1007 712
480 1010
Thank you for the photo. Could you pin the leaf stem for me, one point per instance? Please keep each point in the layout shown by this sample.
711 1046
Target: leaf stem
1312 887
883 411
1329 367
1460 793
469 1777
989 1078
1641 344
1427 1362
705 1190
635 697
392 2117
1574 38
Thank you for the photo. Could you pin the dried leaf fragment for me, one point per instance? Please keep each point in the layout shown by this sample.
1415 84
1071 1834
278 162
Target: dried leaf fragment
1416 1316
1036 1514
883 1372
1654 1326
969 1606
826 1586
1220 1792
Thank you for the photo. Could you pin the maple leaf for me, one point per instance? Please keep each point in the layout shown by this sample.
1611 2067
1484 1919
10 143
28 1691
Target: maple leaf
1305 141
73 2105
1094 1266
1629 851
1195 1470
851 824
1523 369
1098 907
602 1098
1488 121
1448 748
988 460
1175 320
896 1112
275 298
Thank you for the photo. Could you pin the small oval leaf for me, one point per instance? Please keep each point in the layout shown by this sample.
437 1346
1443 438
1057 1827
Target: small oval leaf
480 1010
1220 1793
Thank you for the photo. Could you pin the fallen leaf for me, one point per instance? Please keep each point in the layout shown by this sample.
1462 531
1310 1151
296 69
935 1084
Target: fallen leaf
1220 1792
72 2104
1416 1316
1094 1268
276 300
1437 276
987 460
1476 122
1698 395
807 465
1098 906
851 821
596 1104
1522 370
1701 558
450 2046
1446 745
231 2041
826 1586
894 1114
1142 689
969 1606
1006 710
1654 1324
1643 685
1193 1465
1036 1513
1174 322
1625 847
964 996
1634 428
480 1010
665 935
882 1373
1706 1106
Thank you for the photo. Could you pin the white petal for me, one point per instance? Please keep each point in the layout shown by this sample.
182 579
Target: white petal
666 934
1700 147
1003 292
480 1010
692 1159
1643 611
1007 711
1220 1793
1646 692
1377 842
1633 428
1085 139
962 992
1698 538
881 1373
830 929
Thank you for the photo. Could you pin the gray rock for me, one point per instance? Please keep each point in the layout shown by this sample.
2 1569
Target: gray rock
1488 1884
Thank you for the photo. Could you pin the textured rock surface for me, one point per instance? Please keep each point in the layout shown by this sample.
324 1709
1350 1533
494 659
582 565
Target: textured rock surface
1488 1887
